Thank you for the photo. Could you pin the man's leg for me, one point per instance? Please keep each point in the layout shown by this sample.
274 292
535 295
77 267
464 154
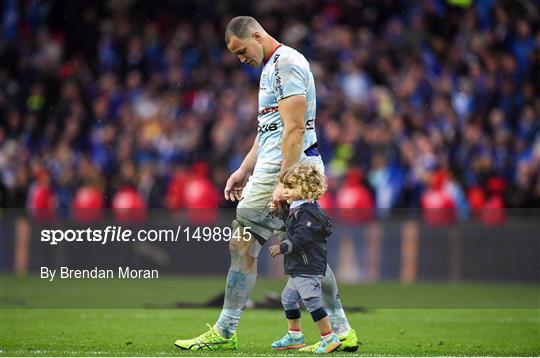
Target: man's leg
252 213
332 304
240 282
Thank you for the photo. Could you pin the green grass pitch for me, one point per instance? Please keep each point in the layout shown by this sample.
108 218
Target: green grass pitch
415 320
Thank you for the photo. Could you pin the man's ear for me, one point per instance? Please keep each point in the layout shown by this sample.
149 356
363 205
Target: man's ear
257 36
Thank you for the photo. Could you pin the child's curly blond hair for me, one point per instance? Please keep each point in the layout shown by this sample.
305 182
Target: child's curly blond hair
307 178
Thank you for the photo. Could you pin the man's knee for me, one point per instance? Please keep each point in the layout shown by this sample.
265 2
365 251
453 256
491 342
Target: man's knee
236 247
237 243
243 245
241 250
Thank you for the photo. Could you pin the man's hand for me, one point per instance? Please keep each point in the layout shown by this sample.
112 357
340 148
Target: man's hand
235 184
274 250
278 201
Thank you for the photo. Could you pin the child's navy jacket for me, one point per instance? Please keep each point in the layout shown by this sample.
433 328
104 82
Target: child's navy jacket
304 247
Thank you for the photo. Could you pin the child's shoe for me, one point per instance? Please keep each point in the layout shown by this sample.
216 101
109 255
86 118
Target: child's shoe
328 345
289 342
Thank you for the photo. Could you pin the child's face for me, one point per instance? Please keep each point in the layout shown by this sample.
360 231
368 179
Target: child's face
291 194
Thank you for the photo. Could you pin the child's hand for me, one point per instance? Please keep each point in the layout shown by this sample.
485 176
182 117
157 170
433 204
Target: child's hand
274 250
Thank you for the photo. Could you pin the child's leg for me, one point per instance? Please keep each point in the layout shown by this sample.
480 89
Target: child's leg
309 288
294 325
289 300
329 340
324 326
319 315
294 338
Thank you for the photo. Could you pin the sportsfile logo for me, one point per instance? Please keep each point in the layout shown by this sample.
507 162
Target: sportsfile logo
120 234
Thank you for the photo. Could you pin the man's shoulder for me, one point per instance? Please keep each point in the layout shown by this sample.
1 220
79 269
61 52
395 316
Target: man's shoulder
288 51
286 54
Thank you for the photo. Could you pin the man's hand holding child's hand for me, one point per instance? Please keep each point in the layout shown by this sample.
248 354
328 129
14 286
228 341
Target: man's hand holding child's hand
275 251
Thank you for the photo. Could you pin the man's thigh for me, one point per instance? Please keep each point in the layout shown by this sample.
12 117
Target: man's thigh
252 210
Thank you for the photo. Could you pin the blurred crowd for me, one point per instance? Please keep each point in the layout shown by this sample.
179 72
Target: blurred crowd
142 99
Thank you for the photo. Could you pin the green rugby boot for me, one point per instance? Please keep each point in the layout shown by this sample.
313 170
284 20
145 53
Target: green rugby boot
349 343
210 340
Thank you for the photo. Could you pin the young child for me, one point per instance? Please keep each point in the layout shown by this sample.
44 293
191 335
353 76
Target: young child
304 247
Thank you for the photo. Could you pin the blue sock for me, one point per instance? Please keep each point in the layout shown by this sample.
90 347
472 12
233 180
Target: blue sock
239 286
332 304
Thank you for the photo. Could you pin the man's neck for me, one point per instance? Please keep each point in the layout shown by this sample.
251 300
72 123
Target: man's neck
269 44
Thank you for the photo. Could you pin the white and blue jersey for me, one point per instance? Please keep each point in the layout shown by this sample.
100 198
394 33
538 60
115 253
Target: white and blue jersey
286 73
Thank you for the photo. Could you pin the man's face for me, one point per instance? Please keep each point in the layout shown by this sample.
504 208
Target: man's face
247 50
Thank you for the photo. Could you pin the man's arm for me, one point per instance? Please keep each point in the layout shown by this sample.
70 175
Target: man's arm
248 164
237 181
292 111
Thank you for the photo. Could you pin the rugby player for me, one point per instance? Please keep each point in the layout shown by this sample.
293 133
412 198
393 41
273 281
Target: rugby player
286 136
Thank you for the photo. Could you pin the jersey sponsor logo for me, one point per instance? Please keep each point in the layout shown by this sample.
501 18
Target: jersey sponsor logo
310 124
277 76
264 111
267 128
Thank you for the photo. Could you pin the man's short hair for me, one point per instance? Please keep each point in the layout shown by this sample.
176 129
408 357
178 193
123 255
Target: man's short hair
241 27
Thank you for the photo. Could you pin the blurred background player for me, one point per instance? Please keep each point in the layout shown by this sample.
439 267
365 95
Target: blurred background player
307 230
286 135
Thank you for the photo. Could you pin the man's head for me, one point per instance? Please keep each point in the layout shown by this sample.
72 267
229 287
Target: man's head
303 181
244 36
